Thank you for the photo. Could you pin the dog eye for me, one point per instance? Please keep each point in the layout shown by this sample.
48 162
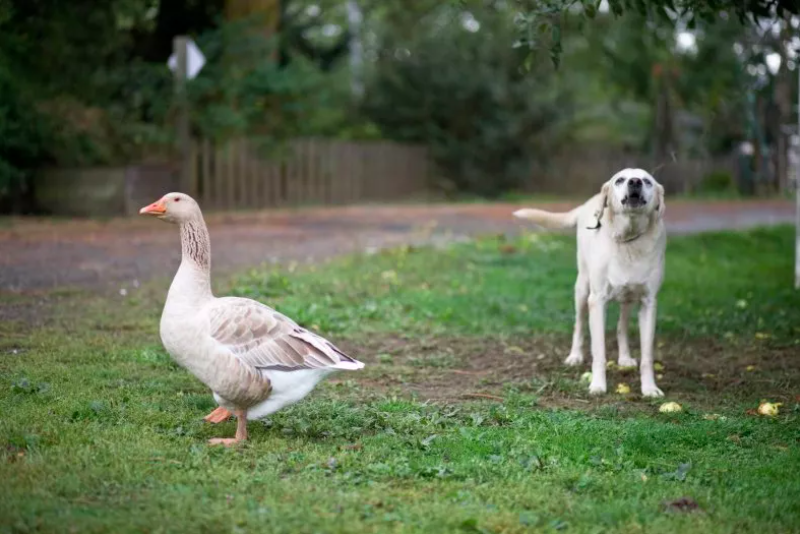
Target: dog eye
619 181
647 182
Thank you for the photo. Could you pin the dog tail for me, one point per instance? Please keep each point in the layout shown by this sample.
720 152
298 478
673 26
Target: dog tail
550 220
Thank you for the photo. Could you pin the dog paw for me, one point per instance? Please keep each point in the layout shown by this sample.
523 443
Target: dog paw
597 389
626 361
574 359
651 391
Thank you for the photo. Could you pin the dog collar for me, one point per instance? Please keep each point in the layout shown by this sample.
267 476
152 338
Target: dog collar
634 238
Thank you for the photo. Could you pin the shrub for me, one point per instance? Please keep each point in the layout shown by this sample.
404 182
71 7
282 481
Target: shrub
24 138
717 182
466 95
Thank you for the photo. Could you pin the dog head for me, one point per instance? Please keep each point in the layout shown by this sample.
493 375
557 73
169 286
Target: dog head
631 192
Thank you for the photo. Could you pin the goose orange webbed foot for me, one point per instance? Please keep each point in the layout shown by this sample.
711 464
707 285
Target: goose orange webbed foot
241 432
218 416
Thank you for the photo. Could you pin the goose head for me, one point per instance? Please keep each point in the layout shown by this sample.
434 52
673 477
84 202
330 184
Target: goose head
173 207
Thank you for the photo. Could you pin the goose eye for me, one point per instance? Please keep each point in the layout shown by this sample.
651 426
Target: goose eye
177 200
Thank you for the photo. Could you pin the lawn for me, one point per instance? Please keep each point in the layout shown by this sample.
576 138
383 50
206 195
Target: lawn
463 421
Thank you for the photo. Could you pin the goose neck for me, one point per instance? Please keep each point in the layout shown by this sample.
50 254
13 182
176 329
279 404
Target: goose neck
193 279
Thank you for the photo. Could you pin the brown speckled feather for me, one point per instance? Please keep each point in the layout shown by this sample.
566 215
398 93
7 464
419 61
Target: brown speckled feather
260 337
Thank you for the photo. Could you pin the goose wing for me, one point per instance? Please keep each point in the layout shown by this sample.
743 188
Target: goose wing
263 338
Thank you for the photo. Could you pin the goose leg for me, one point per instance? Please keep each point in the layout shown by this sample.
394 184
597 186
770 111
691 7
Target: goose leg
241 425
218 416
241 431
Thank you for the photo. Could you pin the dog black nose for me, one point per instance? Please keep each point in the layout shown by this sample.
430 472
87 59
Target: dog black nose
635 183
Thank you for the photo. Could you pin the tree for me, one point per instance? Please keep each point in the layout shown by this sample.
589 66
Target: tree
539 22
152 34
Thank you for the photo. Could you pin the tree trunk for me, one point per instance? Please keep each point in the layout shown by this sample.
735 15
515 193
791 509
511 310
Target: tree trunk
265 14
664 132
783 103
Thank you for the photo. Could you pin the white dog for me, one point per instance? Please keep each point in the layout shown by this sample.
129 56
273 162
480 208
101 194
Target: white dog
621 247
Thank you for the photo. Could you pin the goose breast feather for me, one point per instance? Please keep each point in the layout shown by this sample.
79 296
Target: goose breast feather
263 338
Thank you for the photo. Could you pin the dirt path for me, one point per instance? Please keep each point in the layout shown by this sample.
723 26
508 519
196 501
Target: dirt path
38 255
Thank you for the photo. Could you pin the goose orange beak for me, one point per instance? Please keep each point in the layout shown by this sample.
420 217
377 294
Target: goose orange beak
156 208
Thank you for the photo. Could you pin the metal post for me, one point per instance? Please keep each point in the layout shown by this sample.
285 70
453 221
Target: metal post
180 46
797 195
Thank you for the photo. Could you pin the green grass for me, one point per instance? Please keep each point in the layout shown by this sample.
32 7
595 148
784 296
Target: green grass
716 285
101 432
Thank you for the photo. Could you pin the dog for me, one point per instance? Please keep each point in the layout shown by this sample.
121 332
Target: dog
621 248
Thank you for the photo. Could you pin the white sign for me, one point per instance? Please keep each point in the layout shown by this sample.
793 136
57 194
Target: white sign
194 60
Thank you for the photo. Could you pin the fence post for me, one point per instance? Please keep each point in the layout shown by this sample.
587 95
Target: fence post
207 192
230 174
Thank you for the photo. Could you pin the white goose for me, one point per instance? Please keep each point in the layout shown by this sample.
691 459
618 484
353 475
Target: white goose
254 359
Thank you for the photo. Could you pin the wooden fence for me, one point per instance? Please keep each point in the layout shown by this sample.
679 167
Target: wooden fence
581 170
308 171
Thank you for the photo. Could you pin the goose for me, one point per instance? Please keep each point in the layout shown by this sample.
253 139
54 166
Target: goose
255 359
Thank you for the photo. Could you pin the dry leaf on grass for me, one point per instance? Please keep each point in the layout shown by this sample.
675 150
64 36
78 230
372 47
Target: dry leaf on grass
682 505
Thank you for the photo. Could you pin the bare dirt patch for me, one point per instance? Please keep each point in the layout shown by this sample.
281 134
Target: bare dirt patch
703 373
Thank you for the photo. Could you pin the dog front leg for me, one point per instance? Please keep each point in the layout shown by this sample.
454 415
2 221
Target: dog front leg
597 330
647 331
581 295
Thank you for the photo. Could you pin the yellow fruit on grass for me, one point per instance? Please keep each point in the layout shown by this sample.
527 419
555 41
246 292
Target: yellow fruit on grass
769 408
670 407
623 389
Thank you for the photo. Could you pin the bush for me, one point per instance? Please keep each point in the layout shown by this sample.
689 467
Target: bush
717 182
241 92
466 95
24 140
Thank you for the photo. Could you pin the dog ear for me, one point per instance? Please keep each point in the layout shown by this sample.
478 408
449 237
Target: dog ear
660 206
598 215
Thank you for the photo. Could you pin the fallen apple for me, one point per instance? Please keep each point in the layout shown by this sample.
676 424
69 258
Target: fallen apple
769 408
670 407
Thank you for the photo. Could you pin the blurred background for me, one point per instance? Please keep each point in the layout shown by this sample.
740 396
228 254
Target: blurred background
343 101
